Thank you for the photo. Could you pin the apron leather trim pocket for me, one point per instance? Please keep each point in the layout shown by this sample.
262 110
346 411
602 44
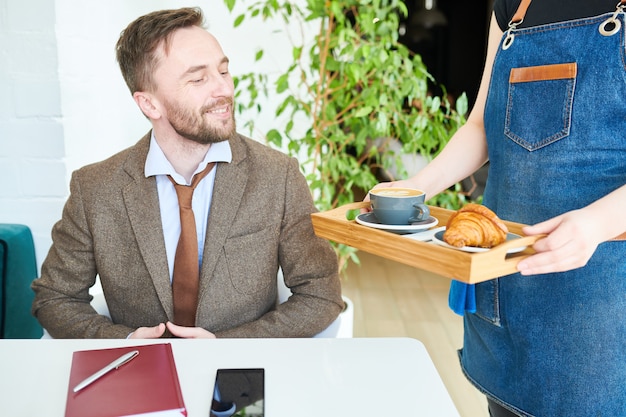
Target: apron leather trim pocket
539 104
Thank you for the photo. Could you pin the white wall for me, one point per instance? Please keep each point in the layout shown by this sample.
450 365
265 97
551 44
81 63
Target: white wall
32 149
64 104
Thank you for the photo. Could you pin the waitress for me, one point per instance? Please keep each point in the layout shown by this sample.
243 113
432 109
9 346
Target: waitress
550 118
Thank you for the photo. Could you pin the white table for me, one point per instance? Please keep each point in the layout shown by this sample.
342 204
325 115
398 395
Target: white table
303 377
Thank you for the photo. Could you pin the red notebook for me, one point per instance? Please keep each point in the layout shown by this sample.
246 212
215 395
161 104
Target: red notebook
146 384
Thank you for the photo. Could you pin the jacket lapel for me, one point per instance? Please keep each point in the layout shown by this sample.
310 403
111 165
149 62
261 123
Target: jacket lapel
142 205
230 183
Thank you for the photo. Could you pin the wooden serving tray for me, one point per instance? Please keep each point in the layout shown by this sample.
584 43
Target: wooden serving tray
461 266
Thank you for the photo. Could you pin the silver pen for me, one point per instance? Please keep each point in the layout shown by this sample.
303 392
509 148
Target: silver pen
113 365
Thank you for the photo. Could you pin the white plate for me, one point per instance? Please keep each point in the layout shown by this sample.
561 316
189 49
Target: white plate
438 239
368 219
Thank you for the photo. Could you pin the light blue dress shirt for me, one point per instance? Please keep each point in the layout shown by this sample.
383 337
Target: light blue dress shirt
157 165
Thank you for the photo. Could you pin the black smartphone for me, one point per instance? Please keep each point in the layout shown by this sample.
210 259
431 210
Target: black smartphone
239 392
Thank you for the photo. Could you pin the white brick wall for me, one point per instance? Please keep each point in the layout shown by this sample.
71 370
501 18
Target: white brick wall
32 168
63 102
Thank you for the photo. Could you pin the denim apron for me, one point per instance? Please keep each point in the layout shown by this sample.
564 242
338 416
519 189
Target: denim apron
555 119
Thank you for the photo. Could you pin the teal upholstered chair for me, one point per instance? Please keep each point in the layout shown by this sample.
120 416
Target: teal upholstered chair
18 268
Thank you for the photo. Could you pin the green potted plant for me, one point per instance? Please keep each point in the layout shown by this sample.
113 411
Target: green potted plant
360 90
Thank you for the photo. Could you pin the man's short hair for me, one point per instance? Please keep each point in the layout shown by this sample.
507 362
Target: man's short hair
136 48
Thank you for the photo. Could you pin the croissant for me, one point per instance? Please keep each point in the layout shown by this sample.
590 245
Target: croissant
475 225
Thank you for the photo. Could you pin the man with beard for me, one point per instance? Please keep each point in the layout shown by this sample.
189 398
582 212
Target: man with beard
251 207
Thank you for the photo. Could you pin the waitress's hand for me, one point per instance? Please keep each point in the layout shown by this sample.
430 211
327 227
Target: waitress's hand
400 183
572 239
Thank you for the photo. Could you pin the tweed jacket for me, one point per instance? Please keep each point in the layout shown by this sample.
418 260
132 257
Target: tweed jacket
259 220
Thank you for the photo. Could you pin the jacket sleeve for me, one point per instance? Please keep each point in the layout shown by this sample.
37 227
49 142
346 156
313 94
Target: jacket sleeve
62 299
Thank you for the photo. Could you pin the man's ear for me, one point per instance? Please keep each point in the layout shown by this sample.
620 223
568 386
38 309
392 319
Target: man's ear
147 104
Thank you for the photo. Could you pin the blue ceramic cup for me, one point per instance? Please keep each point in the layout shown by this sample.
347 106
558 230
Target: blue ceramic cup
399 206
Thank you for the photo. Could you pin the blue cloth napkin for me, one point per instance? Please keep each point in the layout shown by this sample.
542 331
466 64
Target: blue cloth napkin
462 297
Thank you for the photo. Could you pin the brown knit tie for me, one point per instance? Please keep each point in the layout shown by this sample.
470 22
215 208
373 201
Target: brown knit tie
186 277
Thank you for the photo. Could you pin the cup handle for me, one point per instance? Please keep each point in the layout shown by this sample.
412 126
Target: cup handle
424 213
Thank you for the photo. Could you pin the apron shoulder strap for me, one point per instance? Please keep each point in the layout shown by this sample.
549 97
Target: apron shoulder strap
521 11
523 7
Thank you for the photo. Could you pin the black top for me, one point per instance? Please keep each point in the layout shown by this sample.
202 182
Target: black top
549 11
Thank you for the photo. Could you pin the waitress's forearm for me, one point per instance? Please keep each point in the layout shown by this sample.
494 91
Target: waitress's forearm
467 150
462 156
609 214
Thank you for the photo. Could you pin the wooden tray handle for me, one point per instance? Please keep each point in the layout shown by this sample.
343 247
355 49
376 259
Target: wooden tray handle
340 212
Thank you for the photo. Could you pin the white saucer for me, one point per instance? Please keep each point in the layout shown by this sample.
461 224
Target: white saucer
438 239
368 219
424 235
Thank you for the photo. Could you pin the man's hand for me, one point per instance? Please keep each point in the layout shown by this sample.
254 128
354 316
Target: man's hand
189 332
176 331
148 332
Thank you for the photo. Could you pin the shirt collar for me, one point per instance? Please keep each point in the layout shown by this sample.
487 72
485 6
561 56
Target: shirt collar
157 163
